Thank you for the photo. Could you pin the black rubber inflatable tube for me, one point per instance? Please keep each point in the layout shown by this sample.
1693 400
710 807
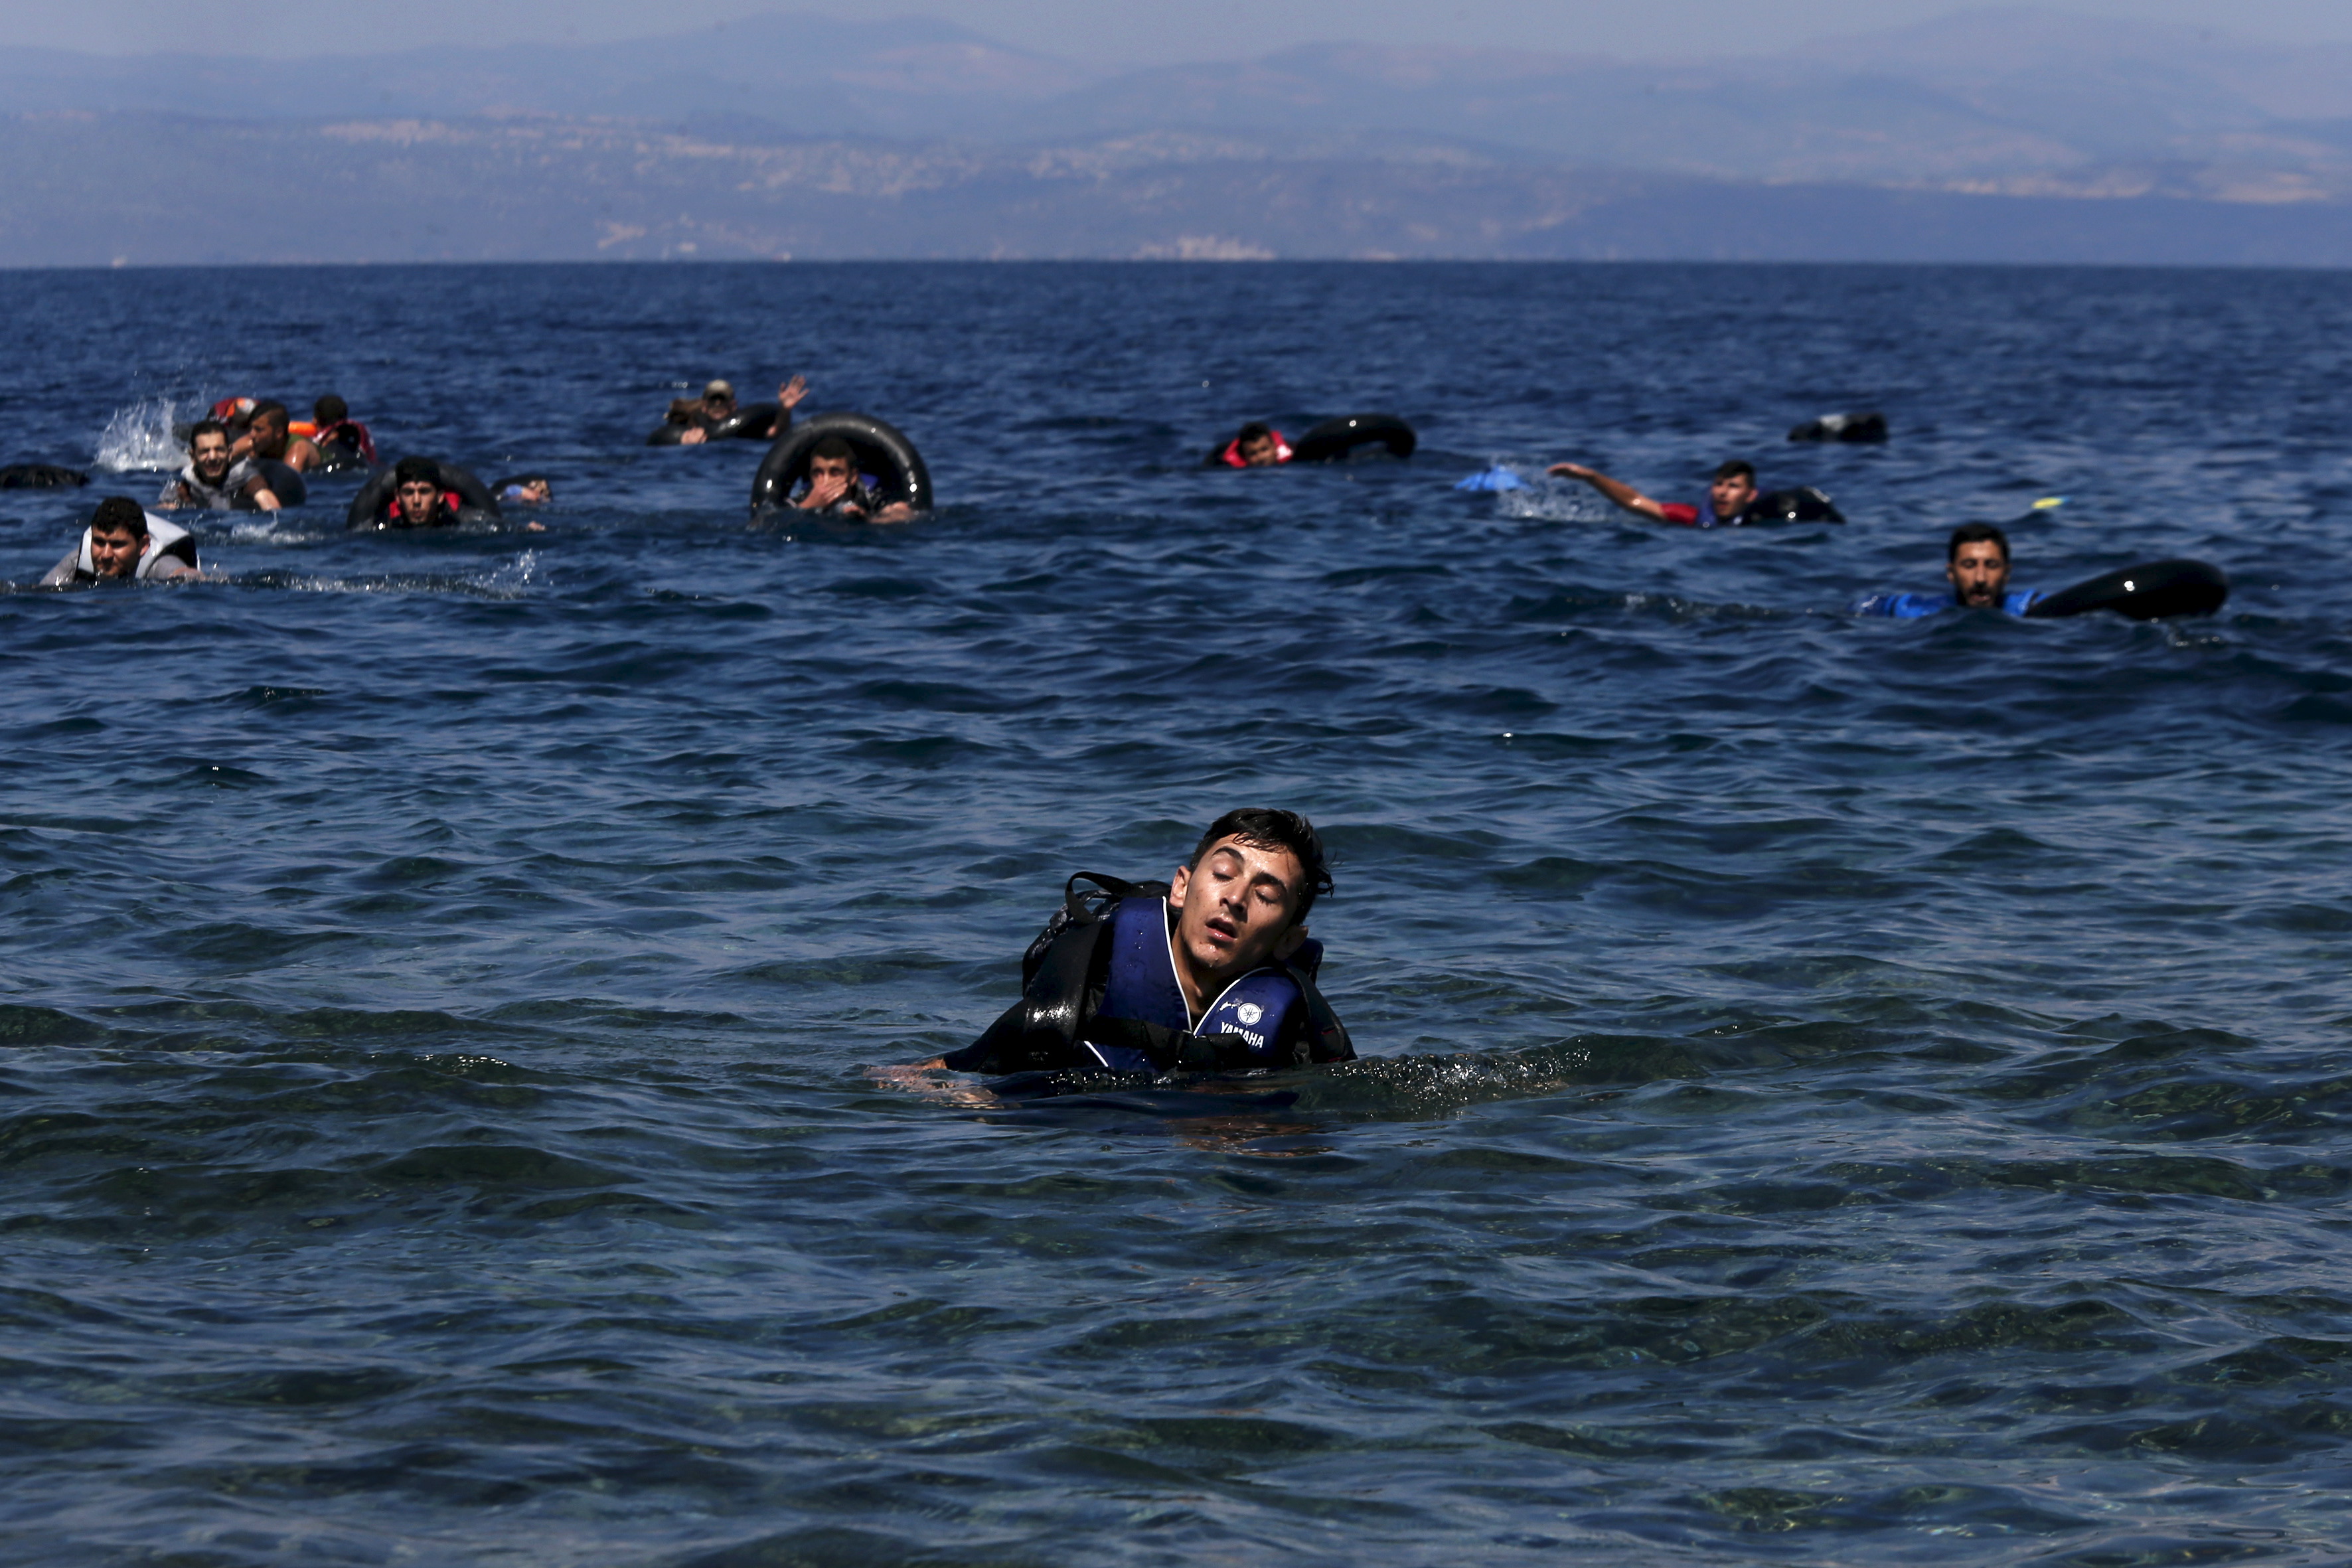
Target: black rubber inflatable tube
367 507
41 477
2149 591
880 450
752 423
1340 441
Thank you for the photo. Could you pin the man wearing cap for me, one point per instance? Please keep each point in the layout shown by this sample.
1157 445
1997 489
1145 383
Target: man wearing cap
704 419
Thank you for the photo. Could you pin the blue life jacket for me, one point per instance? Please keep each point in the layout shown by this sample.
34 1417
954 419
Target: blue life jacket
1099 992
1912 606
1260 1008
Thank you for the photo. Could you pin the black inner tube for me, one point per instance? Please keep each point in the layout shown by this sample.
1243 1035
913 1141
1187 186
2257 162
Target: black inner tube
753 422
880 450
1852 428
283 480
1355 435
2149 591
1803 504
367 508
41 477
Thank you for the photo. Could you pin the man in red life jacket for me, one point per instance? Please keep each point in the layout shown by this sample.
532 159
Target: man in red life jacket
1727 499
1255 445
418 498
337 429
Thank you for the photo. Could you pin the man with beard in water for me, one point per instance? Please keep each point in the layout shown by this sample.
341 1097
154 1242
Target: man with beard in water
212 480
1210 972
124 544
269 436
1976 562
1729 498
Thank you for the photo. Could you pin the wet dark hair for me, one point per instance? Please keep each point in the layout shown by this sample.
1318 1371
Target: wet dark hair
1262 829
330 410
118 512
1256 430
1736 468
272 406
832 446
418 470
205 427
1976 533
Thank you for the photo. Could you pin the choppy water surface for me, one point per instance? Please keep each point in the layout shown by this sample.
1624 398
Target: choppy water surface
1837 1091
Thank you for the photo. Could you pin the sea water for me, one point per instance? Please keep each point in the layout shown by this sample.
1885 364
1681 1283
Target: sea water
1833 1090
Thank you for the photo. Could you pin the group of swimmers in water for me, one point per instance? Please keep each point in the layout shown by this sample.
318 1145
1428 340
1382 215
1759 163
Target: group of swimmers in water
251 455
1212 972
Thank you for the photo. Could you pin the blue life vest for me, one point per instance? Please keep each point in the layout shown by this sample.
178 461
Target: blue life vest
1912 606
1260 1008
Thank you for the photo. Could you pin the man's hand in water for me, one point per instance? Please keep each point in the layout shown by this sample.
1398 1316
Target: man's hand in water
791 392
824 492
693 435
932 1081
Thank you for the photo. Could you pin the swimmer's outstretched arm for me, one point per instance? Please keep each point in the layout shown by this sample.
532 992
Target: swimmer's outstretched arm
931 1080
1624 495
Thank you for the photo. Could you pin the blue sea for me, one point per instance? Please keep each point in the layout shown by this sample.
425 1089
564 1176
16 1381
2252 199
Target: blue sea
1834 1091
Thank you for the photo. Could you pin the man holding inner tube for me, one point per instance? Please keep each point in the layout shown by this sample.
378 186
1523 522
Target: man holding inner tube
1210 972
1975 563
836 486
1728 497
718 406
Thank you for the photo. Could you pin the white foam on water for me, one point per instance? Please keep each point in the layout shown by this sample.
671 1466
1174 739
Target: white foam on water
138 436
1547 500
517 578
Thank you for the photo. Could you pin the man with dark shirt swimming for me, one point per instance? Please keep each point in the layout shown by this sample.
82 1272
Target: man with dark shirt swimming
1976 562
1729 498
1211 971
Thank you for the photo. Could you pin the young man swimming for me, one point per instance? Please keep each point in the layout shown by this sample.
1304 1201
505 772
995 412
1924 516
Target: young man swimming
1211 971
124 544
1729 496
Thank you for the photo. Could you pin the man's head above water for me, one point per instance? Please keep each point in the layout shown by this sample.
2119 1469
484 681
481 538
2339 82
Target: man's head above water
1977 562
1258 446
118 537
416 491
1732 489
208 448
1246 895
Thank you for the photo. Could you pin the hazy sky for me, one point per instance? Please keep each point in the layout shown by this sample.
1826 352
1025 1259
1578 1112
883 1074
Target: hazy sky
1097 34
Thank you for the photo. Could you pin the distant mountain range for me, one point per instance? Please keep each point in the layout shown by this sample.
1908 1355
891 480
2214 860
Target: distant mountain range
794 133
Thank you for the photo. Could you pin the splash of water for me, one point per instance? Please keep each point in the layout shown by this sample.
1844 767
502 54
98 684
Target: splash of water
139 437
